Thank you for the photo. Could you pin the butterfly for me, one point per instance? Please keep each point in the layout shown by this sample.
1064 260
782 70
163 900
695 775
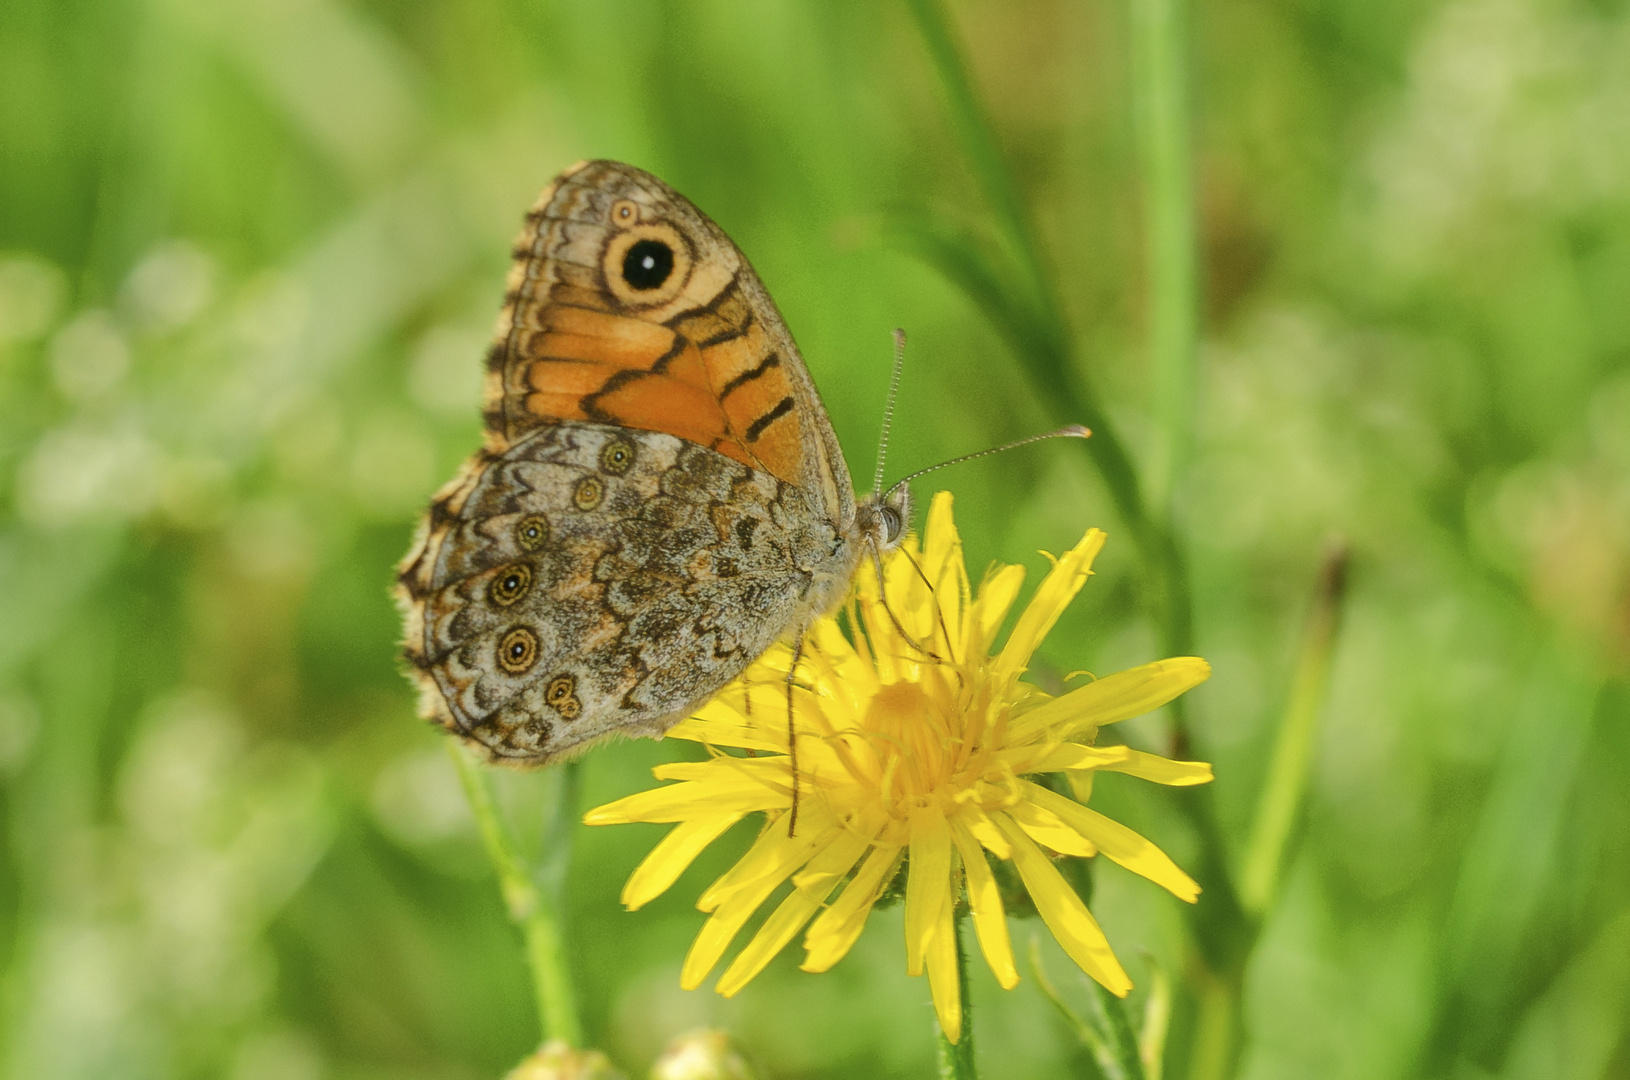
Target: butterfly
659 496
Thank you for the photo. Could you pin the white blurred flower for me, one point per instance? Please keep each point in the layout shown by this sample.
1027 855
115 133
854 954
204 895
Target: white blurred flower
170 286
79 474
417 799
89 356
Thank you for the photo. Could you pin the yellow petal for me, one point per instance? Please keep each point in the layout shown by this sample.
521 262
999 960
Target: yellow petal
832 935
676 851
839 675
1049 829
1113 698
942 980
773 857
718 730
928 883
943 565
1055 757
1162 770
681 802
1118 842
811 888
996 595
1054 594
985 831
776 861
1064 913
985 899
940 538
738 771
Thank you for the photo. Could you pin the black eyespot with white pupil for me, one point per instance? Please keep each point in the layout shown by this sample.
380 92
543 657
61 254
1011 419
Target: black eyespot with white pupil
532 532
647 265
617 456
510 584
518 651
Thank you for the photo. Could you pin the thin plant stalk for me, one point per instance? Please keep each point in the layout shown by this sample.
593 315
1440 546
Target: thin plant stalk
1035 326
1219 1029
1280 805
1105 1031
535 913
956 1059
1160 95
979 141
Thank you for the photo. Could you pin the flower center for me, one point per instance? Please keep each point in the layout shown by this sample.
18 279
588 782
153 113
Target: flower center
919 747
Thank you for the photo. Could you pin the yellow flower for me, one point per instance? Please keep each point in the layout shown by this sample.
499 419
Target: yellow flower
919 747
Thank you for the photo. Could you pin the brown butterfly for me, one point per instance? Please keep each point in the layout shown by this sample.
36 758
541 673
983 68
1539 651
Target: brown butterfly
660 496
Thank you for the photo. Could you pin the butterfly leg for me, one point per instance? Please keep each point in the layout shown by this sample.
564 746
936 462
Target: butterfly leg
792 734
883 597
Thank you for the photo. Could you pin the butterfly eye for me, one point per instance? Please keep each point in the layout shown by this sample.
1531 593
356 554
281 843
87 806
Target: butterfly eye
518 651
889 519
532 532
647 265
510 584
588 493
617 456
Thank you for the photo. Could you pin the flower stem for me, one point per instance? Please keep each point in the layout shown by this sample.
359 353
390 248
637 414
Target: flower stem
956 1059
1280 804
1160 100
1121 1040
533 899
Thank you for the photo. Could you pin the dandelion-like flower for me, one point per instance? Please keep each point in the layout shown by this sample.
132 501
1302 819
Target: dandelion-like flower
922 746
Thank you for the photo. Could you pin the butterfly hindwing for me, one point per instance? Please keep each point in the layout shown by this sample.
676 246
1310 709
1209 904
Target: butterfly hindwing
594 580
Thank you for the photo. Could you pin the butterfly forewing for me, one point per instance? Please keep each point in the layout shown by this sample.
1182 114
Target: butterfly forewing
597 327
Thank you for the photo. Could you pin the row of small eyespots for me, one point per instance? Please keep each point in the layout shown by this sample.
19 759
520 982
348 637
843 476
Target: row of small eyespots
518 650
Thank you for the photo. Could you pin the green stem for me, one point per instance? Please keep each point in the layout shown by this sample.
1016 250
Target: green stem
1218 1028
1161 101
1120 1039
1107 1035
979 140
1039 332
956 1058
1280 805
537 911
1219 1036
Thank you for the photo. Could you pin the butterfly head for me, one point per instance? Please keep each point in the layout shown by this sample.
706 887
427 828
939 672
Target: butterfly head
883 519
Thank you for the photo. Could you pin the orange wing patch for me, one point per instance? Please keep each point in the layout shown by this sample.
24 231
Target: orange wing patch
574 345
732 395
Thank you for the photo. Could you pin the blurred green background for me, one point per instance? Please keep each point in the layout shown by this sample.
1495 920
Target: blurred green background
251 250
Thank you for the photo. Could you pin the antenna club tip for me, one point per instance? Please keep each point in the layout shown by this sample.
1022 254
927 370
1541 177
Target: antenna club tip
1077 431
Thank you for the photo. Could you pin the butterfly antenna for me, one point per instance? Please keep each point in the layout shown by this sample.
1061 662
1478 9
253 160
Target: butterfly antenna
1074 431
888 408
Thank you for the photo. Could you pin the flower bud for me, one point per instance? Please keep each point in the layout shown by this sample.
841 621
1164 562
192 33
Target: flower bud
555 1060
703 1054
